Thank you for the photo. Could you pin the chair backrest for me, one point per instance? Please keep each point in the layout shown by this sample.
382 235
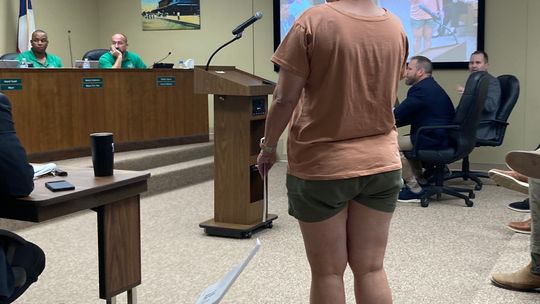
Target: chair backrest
94 54
468 114
509 96
9 56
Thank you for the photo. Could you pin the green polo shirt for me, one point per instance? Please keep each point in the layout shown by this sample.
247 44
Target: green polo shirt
130 60
51 61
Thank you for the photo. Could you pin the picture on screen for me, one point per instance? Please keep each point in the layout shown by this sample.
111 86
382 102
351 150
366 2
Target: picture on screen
446 31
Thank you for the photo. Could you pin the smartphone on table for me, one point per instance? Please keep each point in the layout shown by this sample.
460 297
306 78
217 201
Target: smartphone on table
60 185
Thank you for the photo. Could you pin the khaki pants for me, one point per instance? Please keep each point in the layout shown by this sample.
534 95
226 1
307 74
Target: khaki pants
411 168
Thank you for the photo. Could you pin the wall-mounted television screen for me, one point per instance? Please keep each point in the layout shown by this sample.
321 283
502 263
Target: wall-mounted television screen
445 31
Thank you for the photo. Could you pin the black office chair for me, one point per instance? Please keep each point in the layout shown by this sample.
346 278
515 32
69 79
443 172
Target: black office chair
94 54
509 97
462 139
9 56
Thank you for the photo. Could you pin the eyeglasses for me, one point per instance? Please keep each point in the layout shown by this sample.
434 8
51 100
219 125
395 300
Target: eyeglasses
42 41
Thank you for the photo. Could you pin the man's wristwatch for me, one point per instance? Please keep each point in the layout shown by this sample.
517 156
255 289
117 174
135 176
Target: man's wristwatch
265 148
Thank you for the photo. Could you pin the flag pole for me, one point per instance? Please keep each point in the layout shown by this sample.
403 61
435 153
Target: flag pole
27 25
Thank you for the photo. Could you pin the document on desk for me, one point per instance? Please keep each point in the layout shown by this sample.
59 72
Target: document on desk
42 169
215 292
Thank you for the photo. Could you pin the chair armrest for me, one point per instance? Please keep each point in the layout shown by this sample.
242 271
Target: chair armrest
428 128
10 236
494 122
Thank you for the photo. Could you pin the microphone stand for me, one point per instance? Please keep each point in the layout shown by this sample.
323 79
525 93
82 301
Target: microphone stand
159 61
238 36
70 50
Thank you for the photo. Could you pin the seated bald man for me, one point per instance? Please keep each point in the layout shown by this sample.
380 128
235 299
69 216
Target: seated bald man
119 57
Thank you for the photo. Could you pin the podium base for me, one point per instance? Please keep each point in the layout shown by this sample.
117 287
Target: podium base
237 231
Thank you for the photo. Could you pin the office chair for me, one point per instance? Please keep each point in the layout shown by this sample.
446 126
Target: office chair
509 97
25 259
94 54
462 139
9 56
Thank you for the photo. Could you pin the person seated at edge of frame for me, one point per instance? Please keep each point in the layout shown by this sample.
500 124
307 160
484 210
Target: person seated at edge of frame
427 104
118 57
527 278
38 55
21 262
479 62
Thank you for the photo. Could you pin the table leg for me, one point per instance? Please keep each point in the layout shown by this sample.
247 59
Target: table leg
132 296
119 242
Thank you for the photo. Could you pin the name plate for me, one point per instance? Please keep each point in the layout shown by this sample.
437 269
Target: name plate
10 87
10 81
92 80
92 83
166 81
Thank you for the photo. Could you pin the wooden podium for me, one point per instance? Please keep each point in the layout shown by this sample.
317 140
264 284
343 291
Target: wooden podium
240 106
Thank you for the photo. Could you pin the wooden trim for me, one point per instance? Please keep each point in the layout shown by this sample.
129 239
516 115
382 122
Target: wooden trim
119 147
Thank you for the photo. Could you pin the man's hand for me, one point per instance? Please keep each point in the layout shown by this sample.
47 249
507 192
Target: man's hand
460 89
265 161
115 52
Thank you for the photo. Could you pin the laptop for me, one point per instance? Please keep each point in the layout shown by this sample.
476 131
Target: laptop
94 64
8 64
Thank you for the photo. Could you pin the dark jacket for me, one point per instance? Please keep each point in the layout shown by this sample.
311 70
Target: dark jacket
16 174
491 106
427 104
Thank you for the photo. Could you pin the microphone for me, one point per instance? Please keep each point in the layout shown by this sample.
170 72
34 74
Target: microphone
239 29
70 50
159 61
237 32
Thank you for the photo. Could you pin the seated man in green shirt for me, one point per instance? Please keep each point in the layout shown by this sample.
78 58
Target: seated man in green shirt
37 55
119 57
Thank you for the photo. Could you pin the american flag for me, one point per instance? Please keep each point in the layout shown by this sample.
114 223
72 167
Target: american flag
26 26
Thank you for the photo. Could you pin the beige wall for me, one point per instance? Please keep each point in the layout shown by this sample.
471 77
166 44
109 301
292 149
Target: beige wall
55 17
511 41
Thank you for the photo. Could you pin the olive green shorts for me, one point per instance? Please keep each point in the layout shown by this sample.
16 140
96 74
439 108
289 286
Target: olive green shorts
317 200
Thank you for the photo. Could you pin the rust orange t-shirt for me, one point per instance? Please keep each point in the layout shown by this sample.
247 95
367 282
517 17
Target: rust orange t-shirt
343 125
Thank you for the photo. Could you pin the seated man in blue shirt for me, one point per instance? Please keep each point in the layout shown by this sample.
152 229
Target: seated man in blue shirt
119 57
427 104
21 262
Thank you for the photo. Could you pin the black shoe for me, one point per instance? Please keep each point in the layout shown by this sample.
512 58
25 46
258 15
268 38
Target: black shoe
520 206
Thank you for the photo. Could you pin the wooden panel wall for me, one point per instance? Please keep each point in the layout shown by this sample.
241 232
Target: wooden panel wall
53 112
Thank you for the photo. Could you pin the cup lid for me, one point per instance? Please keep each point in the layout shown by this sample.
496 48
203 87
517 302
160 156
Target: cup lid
101 134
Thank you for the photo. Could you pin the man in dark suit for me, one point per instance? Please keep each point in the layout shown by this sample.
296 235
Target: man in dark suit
21 262
427 104
16 178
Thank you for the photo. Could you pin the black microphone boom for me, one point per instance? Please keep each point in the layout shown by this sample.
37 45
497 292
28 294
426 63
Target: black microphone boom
237 32
239 29
159 61
70 50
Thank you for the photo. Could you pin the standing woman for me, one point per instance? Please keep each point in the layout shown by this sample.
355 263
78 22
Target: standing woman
340 65
423 14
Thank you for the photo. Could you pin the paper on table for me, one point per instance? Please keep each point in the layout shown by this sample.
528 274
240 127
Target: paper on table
215 292
42 169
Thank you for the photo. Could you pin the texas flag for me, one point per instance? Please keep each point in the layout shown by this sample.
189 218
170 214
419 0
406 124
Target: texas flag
26 26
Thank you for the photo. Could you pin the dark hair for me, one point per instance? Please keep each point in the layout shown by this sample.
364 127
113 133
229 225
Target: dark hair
423 63
479 52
